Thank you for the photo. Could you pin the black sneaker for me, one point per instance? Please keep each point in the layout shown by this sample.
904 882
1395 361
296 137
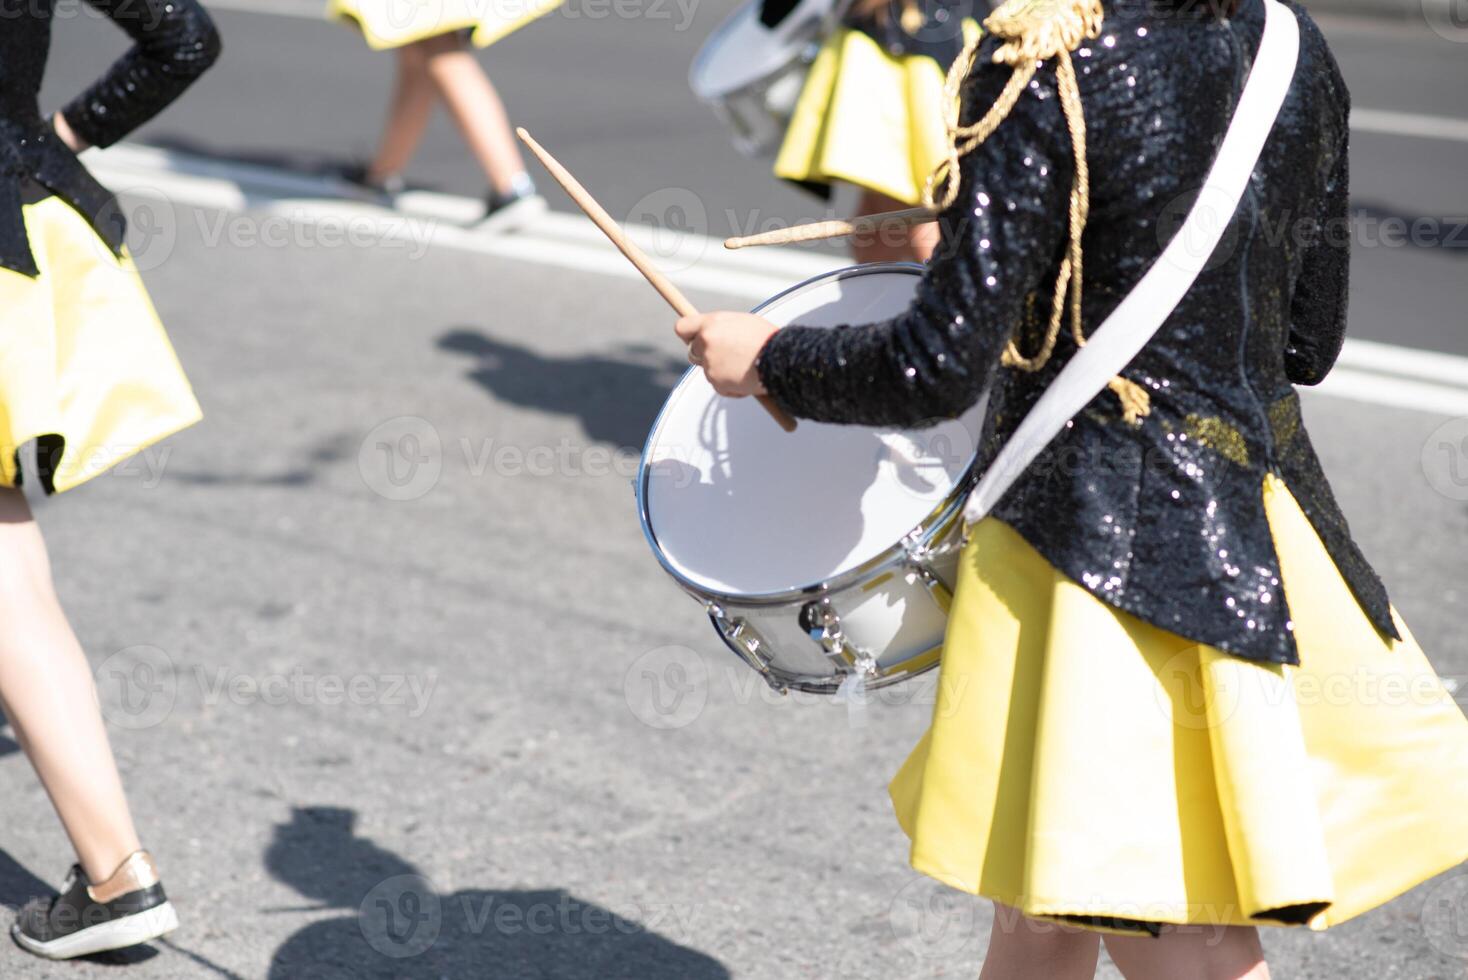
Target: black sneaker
381 192
127 909
507 212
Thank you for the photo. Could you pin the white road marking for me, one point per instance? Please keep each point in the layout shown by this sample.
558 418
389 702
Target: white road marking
1390 123
302 9
562 240
1368 371
1362 385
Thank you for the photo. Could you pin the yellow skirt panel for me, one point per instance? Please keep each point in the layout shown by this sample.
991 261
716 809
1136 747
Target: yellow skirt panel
1083 764
82 354
867 118
394 23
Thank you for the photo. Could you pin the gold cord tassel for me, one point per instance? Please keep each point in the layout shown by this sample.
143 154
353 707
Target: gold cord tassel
1035 30
1136 404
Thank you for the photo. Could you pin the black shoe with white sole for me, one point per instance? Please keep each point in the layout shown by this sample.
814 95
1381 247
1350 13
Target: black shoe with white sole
513 209
376 191
127 909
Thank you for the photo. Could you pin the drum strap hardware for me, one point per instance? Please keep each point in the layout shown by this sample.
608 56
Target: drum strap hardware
853 693
1143 311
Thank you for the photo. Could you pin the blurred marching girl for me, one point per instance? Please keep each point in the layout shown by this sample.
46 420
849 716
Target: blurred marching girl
871 113
86 373
432 41
1175 693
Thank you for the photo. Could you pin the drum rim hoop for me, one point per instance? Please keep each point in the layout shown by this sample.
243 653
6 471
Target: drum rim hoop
941 517
704 53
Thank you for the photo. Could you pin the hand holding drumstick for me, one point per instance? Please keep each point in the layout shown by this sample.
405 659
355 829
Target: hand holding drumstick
725 345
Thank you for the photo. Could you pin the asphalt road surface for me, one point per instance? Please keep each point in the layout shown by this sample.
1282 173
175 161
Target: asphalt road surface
396 686
387 613
603 84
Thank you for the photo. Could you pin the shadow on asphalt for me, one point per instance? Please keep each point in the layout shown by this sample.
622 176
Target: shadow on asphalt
399 924
18 884
314 460
616 396
8 745
302 162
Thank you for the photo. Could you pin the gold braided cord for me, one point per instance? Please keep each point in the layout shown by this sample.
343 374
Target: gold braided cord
1035 30
1038 29
1080 192
964 139
1068 279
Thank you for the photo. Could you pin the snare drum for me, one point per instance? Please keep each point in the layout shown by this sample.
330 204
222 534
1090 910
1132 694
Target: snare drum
822 555
751 72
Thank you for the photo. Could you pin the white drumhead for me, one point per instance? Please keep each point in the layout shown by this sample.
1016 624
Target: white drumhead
742 51
737 506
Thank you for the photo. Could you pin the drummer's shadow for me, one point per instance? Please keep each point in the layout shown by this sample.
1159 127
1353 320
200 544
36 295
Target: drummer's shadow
615 395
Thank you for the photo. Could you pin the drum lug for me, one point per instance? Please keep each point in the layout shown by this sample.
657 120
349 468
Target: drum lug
920 558
822 623
919 553
744 640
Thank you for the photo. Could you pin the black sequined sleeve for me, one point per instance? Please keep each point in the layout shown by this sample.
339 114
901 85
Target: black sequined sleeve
176 42
1001 236
1318 307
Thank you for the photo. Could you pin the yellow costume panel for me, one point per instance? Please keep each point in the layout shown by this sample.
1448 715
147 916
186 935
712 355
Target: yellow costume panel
867 118
393 23
85 366
1087 766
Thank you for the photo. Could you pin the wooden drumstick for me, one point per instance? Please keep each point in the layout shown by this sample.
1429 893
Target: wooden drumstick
815 231
635 255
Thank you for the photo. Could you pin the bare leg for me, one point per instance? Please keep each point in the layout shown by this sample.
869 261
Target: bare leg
48 694
1021 948
915 244
412 106
1191 953
476 108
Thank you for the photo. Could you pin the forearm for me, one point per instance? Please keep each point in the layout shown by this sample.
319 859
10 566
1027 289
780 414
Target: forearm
176 43
903 372
68 135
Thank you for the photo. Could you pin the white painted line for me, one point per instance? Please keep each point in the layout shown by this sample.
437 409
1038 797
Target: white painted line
563 240
1411 363
1391 123
302 9
1354 384
1368 371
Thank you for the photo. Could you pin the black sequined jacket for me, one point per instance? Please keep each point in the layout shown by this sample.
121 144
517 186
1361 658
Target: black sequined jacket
1164 520
176 42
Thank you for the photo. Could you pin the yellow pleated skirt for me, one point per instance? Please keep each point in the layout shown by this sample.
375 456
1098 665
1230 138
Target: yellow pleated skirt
85 366
1088 767
867 118
394 23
